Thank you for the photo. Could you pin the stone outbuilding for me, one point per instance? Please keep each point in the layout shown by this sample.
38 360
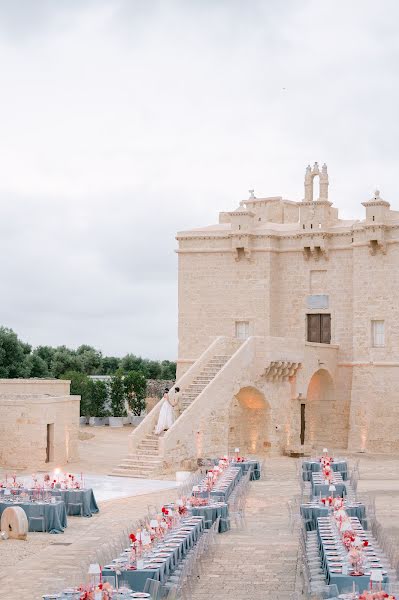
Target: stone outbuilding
39 423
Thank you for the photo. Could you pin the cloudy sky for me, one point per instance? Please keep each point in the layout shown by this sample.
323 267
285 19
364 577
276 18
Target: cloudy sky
124 121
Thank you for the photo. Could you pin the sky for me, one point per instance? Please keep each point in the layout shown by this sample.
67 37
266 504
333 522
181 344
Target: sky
125 121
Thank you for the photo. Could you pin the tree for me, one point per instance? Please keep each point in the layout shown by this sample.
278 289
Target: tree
80 387
97 398
130 362
37 366
13 355
109 365
153 369
135 385
168 370
46 353
118 396
89 358
64 360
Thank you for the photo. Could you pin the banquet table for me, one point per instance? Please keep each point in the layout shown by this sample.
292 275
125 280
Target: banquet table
247 465
223 487
72 498
55 516
314 466
211 512
176 551
330 557
319 487
313 510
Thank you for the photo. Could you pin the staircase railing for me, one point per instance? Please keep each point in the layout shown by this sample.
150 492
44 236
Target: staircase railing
148 424
182 439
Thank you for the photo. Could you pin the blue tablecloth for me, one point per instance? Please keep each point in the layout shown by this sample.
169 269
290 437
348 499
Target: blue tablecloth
311 466
312 513
321 488
137 578
211 513
343 582
254 465
221 490
55 516
73 497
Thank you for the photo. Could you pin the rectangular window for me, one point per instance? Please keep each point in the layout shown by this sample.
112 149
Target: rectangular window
242 330
319 328
378 333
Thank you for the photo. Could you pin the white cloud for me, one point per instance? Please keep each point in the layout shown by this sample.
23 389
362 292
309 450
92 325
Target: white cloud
124 121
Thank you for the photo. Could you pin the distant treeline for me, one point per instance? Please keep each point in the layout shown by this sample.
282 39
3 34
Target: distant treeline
18 359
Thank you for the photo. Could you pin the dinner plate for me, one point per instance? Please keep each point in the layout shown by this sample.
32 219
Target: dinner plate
158 560
140 595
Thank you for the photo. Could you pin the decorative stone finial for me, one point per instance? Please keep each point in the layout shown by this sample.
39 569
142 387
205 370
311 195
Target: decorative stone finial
315 170
324 168
377 195
251 194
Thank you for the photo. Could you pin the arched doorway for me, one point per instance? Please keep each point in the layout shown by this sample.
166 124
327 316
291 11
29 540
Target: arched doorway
249 422
324 422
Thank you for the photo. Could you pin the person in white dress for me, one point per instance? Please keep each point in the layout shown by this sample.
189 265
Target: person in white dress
166 414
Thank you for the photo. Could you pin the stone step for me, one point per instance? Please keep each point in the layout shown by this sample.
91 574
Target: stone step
133 461
139 464
132 473
149 443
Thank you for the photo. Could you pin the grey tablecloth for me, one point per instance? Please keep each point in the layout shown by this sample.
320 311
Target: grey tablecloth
312 513
311 466
55 516
211 513
343 582
254 465
74 497
323 489
137 577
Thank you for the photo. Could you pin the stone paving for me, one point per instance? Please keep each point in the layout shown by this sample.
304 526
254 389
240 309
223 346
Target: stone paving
257 561
250 563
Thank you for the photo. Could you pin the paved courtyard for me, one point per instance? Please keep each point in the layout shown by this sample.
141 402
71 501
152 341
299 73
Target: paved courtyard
250 563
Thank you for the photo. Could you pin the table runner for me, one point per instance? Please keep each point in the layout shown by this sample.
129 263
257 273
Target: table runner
328 547
55 514
312 466
137 577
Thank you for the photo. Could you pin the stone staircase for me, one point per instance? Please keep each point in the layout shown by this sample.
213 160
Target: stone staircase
199 383
146 462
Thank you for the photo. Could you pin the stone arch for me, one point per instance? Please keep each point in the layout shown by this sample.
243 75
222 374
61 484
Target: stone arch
249 422
324 422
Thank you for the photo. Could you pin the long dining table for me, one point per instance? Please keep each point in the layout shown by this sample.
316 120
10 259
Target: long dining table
322 488
332 550
314 466
161 561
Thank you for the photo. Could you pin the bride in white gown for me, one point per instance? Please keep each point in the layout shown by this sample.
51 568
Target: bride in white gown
166 414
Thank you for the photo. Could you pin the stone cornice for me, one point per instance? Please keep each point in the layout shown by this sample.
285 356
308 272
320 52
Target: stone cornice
299 234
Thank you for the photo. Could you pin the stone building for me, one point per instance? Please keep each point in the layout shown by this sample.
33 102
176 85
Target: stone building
288 332
39 423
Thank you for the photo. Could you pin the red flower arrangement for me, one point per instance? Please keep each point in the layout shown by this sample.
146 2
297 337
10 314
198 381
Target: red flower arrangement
132 538
165 511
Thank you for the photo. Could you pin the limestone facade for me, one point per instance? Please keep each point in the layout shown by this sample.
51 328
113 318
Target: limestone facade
311 303
270 263
39 424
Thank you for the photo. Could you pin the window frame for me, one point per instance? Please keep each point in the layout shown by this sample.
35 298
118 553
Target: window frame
375 334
